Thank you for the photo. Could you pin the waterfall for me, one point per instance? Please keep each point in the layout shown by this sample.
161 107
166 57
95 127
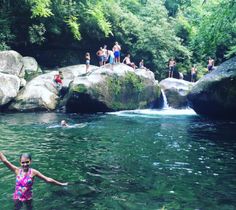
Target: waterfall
165 103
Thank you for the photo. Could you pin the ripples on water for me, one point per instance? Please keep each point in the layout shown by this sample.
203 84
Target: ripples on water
138 159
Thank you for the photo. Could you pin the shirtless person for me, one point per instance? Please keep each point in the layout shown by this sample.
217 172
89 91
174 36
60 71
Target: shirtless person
193 73
128 62
210 64
172 65
116 49
100 56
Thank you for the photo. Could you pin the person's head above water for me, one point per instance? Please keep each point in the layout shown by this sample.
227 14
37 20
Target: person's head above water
25 160
64 123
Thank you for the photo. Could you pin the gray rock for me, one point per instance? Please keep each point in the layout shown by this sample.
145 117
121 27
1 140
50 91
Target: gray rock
11 62
214 95
10 85
110 88
38 94
176 91
31 67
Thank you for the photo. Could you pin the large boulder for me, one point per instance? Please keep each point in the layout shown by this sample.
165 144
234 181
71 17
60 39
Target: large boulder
71 72
38 94
215 94
11 62
112 88
31 67
9 87
176 91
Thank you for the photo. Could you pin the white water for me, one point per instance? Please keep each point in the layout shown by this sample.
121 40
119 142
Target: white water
166 110
165 103
155 112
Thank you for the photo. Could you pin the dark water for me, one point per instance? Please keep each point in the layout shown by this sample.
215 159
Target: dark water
125 161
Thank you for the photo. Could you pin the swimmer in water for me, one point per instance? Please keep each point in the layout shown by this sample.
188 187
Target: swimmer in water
64 123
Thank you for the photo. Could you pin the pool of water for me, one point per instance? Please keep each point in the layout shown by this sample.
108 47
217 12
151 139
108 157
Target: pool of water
136 160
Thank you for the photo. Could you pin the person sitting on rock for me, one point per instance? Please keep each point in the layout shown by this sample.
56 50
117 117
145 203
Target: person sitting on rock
128 62
58 79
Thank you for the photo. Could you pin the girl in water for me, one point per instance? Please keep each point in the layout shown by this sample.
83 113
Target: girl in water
24 180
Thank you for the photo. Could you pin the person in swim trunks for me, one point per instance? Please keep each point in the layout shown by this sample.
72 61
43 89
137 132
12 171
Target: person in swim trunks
172 65
210 64
116 49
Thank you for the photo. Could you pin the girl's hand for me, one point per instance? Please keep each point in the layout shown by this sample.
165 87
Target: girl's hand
64 184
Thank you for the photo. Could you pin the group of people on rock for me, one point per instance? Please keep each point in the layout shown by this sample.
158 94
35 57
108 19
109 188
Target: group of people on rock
172 69
112 56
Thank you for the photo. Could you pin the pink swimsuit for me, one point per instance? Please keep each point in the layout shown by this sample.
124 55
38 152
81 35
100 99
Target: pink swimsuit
24 183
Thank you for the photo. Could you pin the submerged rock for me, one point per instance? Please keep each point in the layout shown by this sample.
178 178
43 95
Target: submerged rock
215 94
176 91
112 88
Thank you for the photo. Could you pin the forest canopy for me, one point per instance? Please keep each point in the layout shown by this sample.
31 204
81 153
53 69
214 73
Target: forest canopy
153 30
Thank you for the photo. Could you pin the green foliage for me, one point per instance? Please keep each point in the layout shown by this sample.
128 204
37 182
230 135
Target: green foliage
96 14
36 33
188 30
134 81
74 26
6 35
40 8
80 88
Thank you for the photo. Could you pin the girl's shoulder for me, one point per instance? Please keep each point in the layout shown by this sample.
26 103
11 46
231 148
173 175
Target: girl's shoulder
33 172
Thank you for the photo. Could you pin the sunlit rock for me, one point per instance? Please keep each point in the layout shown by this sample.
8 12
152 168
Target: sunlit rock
9 87
38 94
110 88
176 91
31 67
11 62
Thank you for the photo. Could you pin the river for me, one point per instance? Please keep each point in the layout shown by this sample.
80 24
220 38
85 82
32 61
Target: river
137 160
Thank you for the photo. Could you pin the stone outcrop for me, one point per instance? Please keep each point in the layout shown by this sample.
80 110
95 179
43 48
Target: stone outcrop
111 88
176 91
215 94
38 94
31 67
11 62
9 87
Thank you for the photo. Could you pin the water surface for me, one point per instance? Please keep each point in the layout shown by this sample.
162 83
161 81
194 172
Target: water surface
138 160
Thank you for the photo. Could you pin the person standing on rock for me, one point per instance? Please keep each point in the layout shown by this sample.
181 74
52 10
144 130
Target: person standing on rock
171 66
87 61
210 64
105 54
58 79
116 49
111 58
193 73
100 56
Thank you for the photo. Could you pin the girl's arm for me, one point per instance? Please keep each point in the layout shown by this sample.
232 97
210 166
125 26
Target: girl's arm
8 164
48 179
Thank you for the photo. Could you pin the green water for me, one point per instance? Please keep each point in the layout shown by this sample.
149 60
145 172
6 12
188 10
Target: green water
132 161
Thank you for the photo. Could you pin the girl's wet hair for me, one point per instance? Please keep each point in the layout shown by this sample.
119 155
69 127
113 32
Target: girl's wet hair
25 155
